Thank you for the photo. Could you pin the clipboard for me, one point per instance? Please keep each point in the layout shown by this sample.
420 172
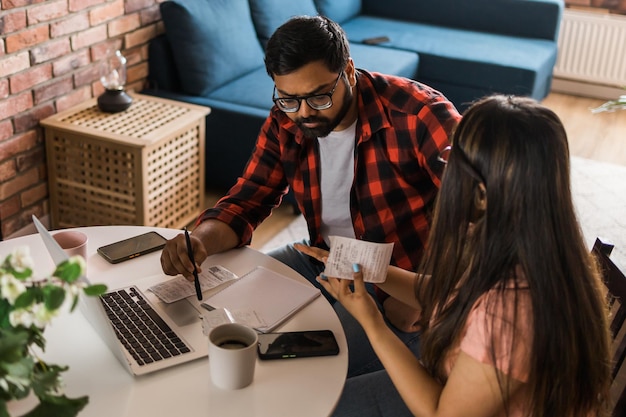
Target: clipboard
274 297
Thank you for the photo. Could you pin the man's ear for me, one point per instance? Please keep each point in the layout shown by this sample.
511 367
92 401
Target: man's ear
350 73
480 198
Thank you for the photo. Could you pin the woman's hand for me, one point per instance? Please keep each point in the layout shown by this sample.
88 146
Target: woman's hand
358 302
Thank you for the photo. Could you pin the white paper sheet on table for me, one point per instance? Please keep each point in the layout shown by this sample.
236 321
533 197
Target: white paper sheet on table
273 297
373 257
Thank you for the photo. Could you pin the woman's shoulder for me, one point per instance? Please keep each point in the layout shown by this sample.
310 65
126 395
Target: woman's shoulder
501 322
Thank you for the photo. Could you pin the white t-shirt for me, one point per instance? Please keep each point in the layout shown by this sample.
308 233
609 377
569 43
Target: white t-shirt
337 175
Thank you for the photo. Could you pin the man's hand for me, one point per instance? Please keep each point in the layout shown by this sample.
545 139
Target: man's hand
402 316
316 253
209 237
175 258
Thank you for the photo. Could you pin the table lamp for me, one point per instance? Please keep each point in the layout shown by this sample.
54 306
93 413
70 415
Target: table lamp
113 78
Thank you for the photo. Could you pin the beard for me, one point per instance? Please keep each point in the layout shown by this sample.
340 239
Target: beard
325 125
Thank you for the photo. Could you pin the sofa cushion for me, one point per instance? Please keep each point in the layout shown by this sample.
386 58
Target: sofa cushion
213 42
385 60
474 59
268 15
339 11
253 89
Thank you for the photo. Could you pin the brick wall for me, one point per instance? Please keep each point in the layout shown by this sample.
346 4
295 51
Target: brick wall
50 53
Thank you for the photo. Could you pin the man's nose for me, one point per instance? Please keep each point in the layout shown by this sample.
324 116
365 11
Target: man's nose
305 110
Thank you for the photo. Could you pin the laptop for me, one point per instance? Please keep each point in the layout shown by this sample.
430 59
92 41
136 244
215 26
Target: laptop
173 332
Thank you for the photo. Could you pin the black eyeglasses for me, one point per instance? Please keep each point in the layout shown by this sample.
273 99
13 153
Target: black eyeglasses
314 101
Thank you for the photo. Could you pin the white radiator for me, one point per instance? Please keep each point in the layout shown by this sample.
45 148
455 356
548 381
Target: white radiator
592 48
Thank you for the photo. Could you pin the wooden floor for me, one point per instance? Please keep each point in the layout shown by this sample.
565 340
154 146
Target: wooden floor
601 137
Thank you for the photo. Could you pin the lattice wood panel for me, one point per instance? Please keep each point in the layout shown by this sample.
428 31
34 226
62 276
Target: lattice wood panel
173 180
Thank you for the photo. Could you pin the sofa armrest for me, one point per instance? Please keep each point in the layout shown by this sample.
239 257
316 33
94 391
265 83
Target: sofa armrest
215 105
523 18
162 73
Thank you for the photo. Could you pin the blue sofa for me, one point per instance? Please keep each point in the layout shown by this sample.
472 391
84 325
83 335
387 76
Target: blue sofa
212 54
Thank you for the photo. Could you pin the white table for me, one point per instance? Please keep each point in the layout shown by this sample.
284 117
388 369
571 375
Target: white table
302 387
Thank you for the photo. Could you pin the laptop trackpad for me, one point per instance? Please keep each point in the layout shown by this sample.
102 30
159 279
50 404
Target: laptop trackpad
181 312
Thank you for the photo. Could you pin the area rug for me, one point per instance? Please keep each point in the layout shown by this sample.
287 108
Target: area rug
599 191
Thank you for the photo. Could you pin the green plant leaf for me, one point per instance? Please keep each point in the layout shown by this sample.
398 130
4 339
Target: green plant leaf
58 406
22 275
96 289
5 309
53 297
12 344
36 337
68 271
46 378
27 297
18 376
3 409
74 303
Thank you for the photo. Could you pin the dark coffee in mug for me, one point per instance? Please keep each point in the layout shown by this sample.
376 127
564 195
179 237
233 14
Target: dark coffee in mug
232 344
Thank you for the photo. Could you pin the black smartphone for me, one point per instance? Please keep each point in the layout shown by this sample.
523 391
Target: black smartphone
301 344
132 247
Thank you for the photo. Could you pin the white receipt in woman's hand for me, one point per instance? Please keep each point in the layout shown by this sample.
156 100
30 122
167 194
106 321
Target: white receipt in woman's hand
373 257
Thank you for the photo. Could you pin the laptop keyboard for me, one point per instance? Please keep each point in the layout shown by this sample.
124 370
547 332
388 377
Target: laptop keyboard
140 329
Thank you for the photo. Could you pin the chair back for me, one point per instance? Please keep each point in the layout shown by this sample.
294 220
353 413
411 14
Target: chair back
615 282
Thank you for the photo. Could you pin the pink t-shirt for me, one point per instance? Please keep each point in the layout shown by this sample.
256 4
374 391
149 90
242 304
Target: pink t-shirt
490 323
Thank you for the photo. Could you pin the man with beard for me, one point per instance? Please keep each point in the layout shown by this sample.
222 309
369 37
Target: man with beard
362 154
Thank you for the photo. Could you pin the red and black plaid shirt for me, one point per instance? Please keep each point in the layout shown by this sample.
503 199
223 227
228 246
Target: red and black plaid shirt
402 126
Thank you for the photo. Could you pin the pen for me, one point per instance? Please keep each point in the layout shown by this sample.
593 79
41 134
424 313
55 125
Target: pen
196 280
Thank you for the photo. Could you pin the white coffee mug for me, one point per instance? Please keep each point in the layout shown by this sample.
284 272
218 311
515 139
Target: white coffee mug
232 355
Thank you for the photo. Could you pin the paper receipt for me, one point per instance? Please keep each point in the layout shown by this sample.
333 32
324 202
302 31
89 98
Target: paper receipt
178 288
373 257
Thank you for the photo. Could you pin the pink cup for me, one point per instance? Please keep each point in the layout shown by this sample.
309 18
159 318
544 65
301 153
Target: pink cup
72 242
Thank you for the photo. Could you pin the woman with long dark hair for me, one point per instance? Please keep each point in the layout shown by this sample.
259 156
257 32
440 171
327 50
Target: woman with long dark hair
513 317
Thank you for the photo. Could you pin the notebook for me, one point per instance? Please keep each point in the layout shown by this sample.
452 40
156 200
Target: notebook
176 336
272 296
